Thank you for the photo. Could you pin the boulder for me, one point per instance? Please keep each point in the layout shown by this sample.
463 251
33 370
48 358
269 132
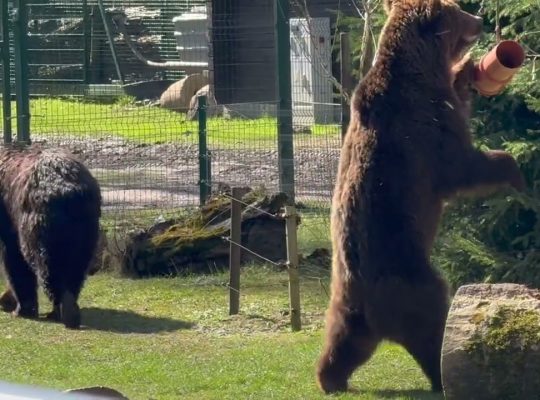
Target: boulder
212 108
491 346
178 96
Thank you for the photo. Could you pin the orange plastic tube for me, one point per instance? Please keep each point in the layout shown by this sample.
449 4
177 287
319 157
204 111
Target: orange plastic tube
497 68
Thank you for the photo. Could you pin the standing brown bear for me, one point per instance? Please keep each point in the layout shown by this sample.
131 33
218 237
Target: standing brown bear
50 206
408 149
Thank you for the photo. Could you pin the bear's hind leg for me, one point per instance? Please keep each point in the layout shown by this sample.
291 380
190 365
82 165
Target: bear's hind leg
64 297
65 308
75 267
53 289
426 351
70 311
62 270
349 344
423 335
67 273
70 256
22 283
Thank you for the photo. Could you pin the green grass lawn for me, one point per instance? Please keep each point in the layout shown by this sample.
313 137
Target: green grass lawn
151 124
172 339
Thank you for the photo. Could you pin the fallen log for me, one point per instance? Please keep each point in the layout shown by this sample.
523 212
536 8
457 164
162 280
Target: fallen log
198 243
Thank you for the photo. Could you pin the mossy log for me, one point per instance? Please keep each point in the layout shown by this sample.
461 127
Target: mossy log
197 243
491 346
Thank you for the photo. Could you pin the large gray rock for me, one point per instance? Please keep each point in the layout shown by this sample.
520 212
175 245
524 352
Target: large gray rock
491 346
178 96
212 108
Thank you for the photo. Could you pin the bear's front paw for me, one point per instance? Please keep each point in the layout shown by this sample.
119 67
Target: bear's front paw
463 75
463 70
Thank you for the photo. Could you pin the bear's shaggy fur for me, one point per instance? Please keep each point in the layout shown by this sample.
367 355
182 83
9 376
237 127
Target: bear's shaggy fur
50 206
408 148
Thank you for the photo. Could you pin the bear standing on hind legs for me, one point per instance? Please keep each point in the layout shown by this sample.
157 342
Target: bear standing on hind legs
50 206
407 149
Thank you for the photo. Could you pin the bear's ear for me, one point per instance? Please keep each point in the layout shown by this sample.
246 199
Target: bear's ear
430 16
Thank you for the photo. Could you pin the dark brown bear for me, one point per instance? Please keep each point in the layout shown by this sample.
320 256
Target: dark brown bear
50 207
408 149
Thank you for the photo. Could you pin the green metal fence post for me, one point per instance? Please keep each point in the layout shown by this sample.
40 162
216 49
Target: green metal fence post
6 78
87 43
284 92
20 36
205 181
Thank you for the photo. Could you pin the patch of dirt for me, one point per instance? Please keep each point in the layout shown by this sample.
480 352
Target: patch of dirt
254 324
165 175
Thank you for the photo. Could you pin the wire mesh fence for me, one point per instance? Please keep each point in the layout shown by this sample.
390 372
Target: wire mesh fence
70 41
117 83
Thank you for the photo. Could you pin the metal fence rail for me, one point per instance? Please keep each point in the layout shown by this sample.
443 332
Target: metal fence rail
98 73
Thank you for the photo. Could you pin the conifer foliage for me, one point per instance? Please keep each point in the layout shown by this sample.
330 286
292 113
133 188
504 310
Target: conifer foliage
496 238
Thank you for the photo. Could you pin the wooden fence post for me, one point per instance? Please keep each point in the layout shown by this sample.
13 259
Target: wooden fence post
235 252
294 278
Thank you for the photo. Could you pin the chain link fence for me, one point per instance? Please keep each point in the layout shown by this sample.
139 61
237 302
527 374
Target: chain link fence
117 83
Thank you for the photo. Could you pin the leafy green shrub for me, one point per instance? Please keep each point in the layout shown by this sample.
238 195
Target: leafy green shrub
497 238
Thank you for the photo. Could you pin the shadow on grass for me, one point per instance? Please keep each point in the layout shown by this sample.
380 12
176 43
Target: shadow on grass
402 394
118 321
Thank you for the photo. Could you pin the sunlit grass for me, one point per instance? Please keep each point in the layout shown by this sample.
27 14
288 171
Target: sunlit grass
173 338
149 124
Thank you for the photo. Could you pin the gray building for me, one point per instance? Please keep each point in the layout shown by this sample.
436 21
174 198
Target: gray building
242 45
